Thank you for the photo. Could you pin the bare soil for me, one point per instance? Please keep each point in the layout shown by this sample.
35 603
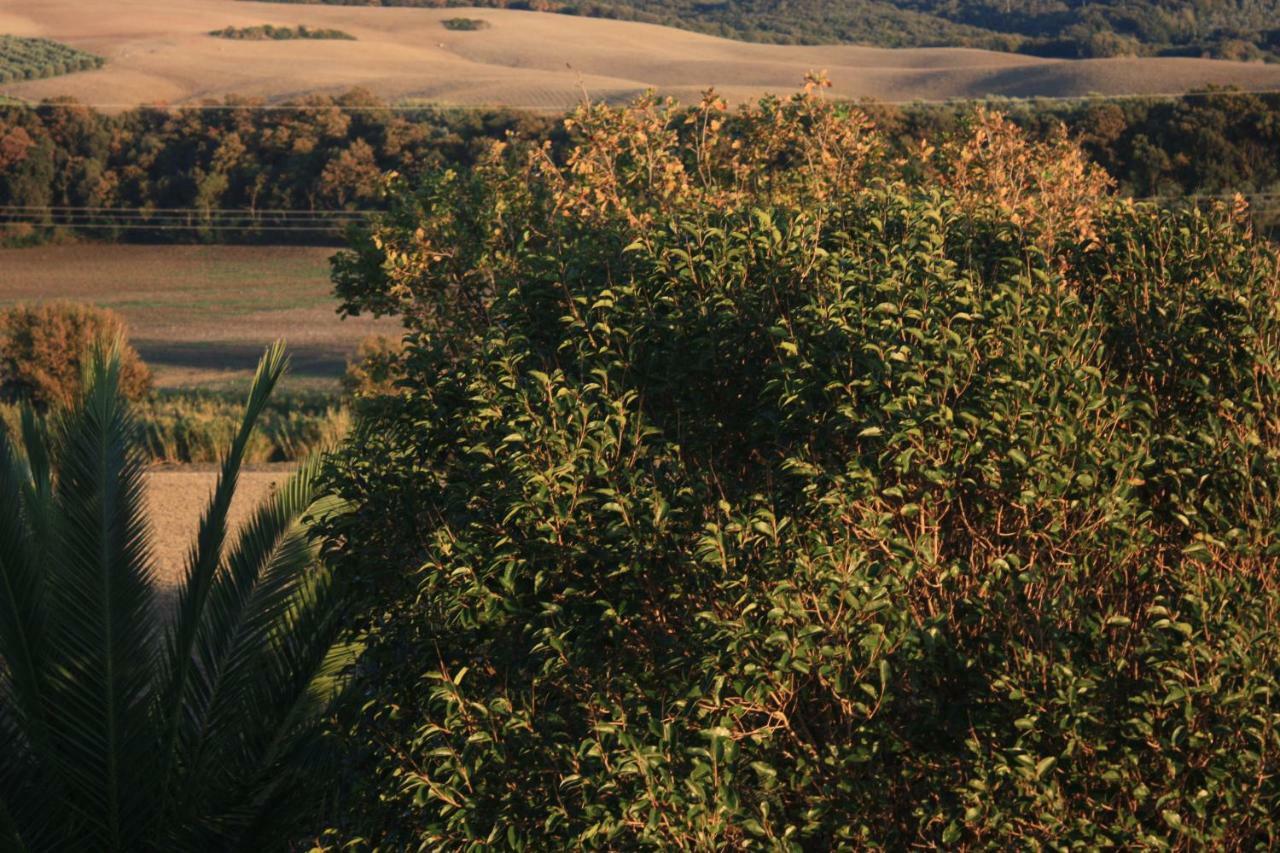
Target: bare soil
177 497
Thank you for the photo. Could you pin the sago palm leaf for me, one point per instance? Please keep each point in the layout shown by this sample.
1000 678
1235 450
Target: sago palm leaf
179 682
297 676
39 467
101 608
22 601
110 740
234 700
28 789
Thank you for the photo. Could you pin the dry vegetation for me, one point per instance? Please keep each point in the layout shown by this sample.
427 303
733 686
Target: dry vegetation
158 50
201 315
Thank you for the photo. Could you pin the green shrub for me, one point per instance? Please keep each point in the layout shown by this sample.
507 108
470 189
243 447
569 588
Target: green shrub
465 24
45 348
752 489
195 427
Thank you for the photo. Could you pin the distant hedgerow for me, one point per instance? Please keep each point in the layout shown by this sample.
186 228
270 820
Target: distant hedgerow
270 32
750 488
465 24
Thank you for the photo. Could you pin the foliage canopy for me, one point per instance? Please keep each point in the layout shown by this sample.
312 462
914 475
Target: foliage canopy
751 488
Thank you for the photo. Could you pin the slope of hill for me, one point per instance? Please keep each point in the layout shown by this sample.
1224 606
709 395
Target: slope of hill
1244 29
161 50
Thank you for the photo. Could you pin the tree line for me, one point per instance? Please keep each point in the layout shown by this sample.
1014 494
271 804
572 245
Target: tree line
265 32
235 171
232 170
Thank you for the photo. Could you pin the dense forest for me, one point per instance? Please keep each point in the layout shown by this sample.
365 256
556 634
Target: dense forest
229 172
1239 29
234 172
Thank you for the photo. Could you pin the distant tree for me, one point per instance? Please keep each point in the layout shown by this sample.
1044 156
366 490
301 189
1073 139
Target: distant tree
46 349
352 176
14 145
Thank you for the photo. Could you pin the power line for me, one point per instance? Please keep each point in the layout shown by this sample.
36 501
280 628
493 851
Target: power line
291 214
300 221
171 227
193 210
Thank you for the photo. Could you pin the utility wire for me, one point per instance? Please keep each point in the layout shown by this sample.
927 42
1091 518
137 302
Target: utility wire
298 221
200 210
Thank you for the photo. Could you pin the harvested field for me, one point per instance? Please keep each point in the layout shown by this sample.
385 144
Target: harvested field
177 496
160 51
201 315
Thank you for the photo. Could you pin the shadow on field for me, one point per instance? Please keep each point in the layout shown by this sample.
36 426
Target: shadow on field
319 361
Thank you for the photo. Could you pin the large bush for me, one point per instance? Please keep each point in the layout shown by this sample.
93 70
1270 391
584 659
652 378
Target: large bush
751 489
44 350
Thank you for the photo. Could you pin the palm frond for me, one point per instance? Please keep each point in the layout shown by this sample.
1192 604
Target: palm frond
23 654
300 672
245 602
29 794
239 700
35 442
101 609
10 835
23 617
204 559
29 791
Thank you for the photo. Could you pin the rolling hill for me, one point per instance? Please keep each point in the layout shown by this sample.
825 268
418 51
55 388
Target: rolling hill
1241 29
161 51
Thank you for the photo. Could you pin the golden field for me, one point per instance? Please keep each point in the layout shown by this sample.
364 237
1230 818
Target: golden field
161 51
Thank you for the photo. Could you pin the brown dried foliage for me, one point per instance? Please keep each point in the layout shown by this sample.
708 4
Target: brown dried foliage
44 349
